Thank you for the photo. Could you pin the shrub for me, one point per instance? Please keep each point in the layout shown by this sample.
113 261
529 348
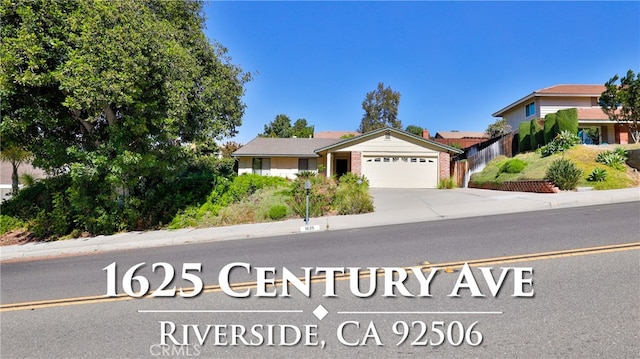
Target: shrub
536 133
514 165
550 127
562 142
446 183
614 159
593 133
278 211
597 175
524 137
567 120
8 223
224 193
321 195
564 174
549 149
27 179
352 195
622 152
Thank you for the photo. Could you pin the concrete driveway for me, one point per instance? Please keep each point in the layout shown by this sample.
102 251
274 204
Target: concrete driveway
414 205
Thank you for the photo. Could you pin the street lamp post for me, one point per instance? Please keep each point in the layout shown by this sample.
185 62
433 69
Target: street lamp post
307 187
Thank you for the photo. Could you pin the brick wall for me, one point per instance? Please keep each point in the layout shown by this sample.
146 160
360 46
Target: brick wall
520 186
356 163
445 165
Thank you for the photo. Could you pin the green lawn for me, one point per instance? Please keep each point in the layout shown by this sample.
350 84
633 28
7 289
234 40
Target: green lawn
583 156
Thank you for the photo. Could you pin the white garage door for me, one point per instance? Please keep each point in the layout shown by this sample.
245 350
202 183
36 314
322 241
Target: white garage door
401 172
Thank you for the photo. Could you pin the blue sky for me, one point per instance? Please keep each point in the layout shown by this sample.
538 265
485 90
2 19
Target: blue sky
454 63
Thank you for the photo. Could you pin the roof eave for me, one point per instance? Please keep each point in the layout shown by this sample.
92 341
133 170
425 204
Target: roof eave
382 129
298 155
513 104
541 94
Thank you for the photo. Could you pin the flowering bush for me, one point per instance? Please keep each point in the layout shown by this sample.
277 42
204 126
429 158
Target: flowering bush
321 194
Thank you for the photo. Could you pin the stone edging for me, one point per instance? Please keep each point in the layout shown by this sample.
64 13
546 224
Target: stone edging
520 186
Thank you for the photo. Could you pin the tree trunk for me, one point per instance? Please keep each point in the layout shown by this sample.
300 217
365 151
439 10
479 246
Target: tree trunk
634 132
14 178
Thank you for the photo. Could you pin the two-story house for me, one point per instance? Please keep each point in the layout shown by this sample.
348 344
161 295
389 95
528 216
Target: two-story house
551 99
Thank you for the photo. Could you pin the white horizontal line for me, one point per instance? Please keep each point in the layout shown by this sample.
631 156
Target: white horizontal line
419 312
218 311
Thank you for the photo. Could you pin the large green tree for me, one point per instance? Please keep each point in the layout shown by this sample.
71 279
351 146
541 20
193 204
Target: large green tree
281 127
621 102
109 91
301 129
414 129
380 109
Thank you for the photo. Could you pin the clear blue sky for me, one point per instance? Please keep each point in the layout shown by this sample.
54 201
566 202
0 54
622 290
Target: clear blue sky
454 63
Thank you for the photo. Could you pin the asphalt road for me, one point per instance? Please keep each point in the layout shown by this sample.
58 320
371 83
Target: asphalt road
584 306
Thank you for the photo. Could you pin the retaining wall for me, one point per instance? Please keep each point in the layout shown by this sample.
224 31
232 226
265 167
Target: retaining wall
634 159
520 186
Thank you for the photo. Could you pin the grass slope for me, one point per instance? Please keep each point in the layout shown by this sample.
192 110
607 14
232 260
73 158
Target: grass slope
583 156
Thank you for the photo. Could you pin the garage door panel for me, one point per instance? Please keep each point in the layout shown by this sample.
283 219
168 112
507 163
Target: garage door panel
401 172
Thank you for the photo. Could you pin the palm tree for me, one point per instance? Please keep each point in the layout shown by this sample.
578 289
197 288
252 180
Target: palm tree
16 156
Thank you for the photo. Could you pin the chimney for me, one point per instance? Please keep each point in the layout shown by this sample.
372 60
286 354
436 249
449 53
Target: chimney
425 134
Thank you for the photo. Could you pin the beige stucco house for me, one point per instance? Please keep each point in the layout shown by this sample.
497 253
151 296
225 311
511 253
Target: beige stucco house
551 99
387 157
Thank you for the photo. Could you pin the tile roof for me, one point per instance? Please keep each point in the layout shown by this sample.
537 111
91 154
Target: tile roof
461 134
284 147
334 134
573 90
556 91
594 113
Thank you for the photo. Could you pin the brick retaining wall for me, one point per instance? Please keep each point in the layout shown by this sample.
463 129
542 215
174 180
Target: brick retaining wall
520 186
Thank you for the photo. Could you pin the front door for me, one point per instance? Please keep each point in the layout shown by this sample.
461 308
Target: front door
342 167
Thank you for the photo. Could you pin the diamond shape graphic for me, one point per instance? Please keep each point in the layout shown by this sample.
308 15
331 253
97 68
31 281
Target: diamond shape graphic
320 312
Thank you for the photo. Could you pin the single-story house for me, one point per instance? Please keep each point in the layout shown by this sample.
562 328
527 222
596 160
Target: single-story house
551 99
387 157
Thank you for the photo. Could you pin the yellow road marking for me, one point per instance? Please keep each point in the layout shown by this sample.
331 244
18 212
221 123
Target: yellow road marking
318 279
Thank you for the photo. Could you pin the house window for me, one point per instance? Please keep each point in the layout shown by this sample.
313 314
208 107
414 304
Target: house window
303 164
261 166
307 164
530 109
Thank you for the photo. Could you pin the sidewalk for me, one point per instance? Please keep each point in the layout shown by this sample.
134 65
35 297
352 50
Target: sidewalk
393 206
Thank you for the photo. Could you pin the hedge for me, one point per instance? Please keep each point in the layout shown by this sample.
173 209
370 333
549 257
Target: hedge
524 137
550 127
537 133
567 120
